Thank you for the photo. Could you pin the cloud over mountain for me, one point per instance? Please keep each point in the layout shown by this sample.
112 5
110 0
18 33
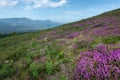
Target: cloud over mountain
31 4
8 3
44 3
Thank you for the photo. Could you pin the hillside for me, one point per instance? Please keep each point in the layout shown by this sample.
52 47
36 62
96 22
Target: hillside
9 25
72 51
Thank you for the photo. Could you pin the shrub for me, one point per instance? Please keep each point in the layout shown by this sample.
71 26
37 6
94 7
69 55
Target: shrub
73 35
94 43
101 64
60 55
34 70
52 50
4 73
82 44
62 77
4 35
111 39
50 67
6 70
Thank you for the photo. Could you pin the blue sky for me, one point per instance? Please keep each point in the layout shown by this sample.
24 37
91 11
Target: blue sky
55 10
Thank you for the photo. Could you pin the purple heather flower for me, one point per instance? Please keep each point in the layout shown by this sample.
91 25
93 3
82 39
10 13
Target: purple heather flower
72 35
98 65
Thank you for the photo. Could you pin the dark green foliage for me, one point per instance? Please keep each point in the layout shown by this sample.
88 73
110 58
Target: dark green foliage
82 44
34 69
61 55
6 69
56 56
4 35
4 72
52 50
95 42
50 67
62 77
110 39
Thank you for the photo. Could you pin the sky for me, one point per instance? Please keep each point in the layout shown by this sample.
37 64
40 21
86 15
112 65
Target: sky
63 11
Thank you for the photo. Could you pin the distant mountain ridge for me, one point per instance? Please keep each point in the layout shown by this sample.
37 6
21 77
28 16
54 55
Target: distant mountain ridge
8 25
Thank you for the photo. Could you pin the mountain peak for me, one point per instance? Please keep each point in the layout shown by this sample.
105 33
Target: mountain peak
8 25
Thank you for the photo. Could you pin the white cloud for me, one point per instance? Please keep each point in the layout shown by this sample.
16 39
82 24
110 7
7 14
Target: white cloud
31 4
8 3
44 3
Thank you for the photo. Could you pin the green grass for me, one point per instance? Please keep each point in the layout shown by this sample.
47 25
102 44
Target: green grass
110 39
62 77
23 50
51 67
34 69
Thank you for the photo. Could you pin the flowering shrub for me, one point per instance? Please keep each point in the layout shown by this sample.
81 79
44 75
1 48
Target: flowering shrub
101 64
72 35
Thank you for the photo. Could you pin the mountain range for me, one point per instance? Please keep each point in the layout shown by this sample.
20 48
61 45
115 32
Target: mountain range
10 25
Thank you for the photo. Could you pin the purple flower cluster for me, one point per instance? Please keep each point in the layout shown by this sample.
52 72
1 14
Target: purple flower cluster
107 31
79 25
72 35
106 20
109 26
52 32
103 26
102 31
100 64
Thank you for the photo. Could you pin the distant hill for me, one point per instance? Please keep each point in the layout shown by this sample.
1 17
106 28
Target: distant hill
9 25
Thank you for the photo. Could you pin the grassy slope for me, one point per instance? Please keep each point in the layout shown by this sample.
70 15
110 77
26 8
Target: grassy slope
52 54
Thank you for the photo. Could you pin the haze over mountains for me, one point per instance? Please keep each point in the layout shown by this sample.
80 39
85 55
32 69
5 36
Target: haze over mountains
9 25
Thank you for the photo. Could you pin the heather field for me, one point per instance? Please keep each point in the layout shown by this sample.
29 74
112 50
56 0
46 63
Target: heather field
88 49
